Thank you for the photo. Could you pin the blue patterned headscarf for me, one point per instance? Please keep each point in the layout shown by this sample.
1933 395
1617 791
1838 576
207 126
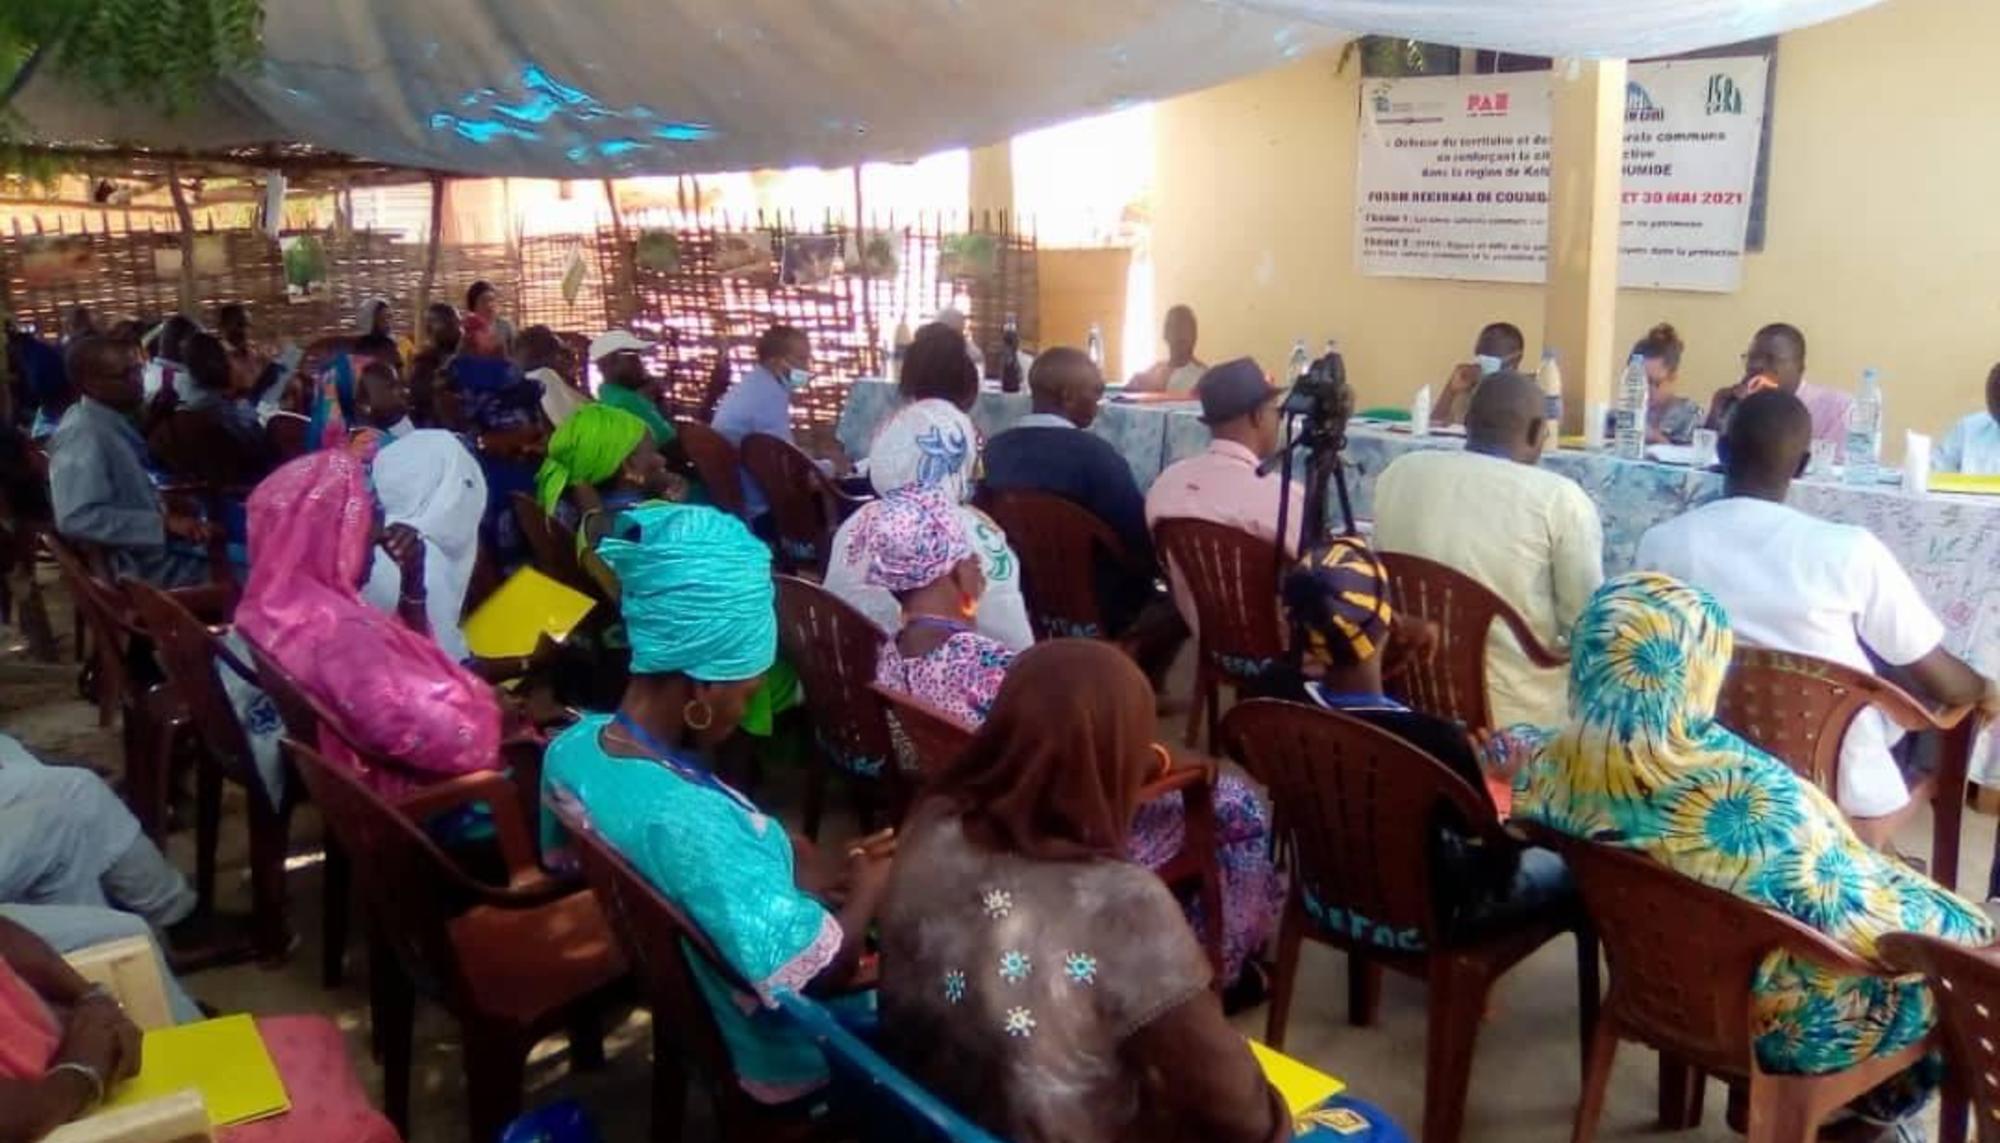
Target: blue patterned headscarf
929 444
695 587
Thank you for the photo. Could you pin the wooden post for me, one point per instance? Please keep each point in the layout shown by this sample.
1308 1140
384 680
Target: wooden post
619 300
431 255
1587 146
186 219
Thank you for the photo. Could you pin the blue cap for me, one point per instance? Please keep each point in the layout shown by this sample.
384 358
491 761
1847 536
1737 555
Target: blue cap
1233 389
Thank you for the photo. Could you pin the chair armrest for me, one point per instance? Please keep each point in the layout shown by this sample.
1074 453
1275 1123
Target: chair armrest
211 602
129 969
503 796
1532 646
177 1118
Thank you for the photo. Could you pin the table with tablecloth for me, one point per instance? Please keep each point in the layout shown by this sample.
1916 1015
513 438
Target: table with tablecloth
1950 545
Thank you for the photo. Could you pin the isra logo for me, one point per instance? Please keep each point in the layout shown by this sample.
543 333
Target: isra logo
1486 103
1724 97
1381 99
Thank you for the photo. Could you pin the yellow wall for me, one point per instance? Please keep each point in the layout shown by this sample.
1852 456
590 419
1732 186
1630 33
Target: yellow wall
1883 244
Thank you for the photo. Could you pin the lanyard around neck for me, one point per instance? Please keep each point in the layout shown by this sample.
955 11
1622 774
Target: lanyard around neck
658 752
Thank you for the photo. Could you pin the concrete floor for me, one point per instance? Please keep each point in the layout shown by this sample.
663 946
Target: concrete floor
1524 1081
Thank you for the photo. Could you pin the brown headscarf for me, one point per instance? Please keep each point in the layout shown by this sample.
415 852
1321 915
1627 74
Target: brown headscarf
1054 774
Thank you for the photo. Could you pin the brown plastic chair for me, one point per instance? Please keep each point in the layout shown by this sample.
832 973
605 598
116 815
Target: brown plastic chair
513 963
662 945
1061 547
1966 985
1451 684
834 648
1682 957
805 505
1232 578
192 657
1355 808
935 739
551 544
716 462
1797 709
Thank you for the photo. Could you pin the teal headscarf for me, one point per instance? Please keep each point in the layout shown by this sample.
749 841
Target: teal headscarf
696 591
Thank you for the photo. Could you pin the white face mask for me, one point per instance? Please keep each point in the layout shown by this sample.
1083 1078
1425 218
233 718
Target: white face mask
798 379
1488 365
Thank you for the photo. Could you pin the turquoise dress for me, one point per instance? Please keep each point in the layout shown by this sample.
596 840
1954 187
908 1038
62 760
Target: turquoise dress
728 867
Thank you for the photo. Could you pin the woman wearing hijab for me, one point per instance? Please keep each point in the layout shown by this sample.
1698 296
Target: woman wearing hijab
1643 765
699 608
913 552
601 462
1032 975
429 483
397 694
932 444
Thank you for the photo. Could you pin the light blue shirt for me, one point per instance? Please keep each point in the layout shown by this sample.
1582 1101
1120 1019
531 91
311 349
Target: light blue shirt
759 403
1972 447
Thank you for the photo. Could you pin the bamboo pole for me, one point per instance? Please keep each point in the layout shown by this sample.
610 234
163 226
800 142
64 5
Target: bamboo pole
186 219
431 255
619 300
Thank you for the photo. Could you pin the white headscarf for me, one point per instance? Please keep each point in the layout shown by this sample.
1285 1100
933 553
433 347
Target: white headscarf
364 318
429 481
929 442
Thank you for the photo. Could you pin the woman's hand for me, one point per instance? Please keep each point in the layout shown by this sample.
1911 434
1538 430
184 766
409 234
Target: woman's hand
1502 754
405 546
102 1038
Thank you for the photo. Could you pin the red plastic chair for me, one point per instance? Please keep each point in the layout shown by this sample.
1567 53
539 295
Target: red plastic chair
1966 985
1451 684
1232 578
1061 547
834 648
716 462
805 505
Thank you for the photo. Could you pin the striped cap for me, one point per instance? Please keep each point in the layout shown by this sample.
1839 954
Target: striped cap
1340 594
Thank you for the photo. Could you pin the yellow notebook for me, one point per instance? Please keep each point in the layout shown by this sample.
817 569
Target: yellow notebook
1964 482
1303 1086
527 605
225 1060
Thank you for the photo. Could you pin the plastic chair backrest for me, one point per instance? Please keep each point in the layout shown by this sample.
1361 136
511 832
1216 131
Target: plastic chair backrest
1451 684
106 612
715 461
300 714
192 658
1682 954
1966 985
1797 708
935 739
1232 577
805 506
1062 548
875 1094
834 648
1355 804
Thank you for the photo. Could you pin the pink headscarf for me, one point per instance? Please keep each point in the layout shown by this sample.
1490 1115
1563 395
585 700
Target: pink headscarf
396 694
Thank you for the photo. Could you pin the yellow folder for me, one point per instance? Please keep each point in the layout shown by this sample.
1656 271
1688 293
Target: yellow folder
1965 482
224 1059
1304 1087
527 605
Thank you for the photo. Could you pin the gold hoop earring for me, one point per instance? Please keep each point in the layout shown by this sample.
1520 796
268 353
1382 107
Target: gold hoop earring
706 717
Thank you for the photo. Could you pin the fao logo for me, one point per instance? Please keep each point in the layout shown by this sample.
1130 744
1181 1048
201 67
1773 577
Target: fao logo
1486 103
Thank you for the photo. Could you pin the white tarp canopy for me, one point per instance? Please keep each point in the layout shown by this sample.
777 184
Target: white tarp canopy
584 88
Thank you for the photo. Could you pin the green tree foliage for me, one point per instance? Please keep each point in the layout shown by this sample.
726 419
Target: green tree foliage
161 52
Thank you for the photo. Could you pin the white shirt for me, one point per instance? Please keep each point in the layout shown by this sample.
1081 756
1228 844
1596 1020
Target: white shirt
1972 447
1003 611
1797 583
1530 536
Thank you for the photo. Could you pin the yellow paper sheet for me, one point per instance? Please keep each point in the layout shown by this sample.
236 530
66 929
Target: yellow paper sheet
1303 1087
1963 482
225 1060
527 605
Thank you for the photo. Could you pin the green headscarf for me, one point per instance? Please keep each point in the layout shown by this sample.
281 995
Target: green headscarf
696 591
587 449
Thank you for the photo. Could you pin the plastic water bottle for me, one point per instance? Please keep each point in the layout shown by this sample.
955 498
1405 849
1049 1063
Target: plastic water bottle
1630 440
1301 362
1094 345
1550 378
1864 431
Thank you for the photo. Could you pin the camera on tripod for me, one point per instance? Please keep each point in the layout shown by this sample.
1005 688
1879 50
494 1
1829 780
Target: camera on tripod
1322 398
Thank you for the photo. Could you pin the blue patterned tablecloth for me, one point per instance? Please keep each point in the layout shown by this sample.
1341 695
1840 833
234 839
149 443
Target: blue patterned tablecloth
1949 544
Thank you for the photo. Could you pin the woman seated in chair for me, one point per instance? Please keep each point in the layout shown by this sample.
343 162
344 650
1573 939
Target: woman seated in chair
601 462
1031 975
913 549
699 607
1339 594
931 444
399 696
1643 765
65 1044
430 484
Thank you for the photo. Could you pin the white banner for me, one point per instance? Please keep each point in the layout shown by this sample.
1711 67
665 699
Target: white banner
1454 174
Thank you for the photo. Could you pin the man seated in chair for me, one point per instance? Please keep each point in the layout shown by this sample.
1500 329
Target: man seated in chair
1528 535
211 436
1051 450
98 482
1794 582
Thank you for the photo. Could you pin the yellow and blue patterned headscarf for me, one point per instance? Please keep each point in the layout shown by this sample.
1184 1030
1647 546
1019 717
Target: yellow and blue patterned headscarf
696 591
1340 594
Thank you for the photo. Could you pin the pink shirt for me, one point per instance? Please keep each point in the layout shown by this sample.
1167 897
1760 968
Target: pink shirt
1222 485
1829 413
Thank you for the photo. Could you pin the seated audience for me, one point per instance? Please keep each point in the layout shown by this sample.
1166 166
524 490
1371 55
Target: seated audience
486 397
247 366
761 402
64 1043
912 551
1973 444
1776 359
601 462
1049 450
1670 417
953 318
37 370
1180 372
487 334
1240 407
1640 763
400 697
938 364
382 405
624 383
163 370
931 444
1530 536
211 436
441 337
431 485
78 322
98 482
1098 1024
545 359
697 600
1793 582
1498 349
